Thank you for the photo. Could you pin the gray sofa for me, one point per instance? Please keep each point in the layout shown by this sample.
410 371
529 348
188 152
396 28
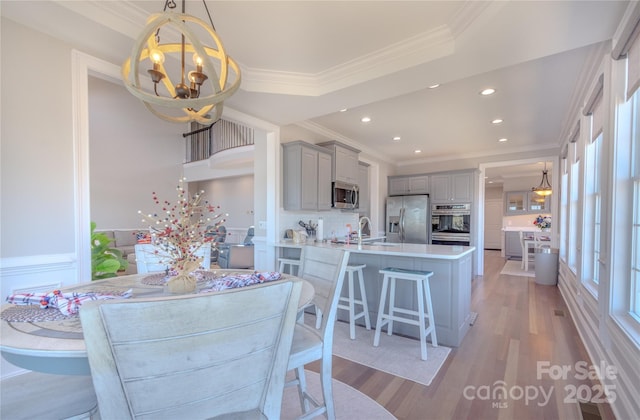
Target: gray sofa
125 241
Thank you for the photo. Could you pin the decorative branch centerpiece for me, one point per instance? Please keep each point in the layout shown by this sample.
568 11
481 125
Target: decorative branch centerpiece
178 233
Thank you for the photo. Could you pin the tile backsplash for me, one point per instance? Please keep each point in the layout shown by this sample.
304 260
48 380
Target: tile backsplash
332 221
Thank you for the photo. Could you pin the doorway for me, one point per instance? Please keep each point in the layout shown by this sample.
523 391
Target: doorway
504 166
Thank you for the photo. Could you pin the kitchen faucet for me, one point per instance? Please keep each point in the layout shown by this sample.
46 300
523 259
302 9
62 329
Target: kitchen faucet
360 226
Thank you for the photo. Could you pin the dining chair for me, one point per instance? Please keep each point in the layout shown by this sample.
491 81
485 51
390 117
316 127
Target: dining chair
152 259
527 255
208 355
324 268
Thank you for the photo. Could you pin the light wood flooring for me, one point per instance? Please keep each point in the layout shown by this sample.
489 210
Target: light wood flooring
519 324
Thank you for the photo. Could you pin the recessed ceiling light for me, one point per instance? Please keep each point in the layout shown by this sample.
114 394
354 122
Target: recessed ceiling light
502 140
396 138
343 110
365 119
488 91
496 121
417 151
434 86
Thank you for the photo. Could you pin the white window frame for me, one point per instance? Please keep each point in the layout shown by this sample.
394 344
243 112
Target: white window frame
625 243
592 212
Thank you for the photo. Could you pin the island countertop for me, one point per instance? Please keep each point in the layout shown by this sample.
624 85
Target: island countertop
450 283
443 252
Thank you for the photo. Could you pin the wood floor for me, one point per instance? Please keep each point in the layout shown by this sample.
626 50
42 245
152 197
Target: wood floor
519 325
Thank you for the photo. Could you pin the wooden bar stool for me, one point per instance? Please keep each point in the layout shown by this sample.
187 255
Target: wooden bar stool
423 293
349 302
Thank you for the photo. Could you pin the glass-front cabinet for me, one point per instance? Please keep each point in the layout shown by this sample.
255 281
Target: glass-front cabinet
537 203
515 202
524 202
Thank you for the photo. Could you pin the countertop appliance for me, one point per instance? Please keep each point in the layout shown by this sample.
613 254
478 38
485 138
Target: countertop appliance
345 196
450 224
408 219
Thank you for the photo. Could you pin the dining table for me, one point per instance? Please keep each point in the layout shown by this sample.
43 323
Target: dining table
46 340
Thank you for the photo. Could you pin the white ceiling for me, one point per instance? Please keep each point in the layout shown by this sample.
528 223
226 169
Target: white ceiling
303 61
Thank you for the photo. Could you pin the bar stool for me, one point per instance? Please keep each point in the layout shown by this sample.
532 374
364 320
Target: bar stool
423 293
350 301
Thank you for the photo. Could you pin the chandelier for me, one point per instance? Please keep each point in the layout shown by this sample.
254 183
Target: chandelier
545 187
184 97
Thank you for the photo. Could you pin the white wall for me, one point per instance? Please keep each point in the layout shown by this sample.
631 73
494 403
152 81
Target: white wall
234 196
37 162
132 154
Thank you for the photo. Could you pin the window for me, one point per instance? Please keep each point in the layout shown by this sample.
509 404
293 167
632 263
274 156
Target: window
592 213
574 186
564 209
635 234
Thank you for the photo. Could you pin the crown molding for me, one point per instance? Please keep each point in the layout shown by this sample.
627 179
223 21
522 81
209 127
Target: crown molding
128 19
419 49
329 134
550 148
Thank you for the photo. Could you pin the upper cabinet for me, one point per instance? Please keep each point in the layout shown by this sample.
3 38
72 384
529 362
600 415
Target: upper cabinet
345 162
408 185
363 187
306 177
452 188
524 202
515 202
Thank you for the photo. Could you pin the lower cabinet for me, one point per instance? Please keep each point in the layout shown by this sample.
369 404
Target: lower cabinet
512 246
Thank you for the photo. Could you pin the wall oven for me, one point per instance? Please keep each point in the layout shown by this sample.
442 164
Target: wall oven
450 224
345 196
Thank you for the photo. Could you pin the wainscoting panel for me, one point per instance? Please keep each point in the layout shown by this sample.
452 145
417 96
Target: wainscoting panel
608 345
37 273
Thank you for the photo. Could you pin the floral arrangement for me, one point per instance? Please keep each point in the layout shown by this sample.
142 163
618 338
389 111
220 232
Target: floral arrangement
179 230
543 222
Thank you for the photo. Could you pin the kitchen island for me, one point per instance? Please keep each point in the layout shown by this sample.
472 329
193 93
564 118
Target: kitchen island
450 283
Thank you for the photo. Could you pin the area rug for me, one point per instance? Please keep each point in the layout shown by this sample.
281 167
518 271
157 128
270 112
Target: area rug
396 355
512 268
349 403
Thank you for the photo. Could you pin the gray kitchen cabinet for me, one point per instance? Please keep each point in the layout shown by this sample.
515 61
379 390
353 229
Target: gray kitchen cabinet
407 185
515 202
306 177
363 186
345 162
525 202
452 188
512 247
538 203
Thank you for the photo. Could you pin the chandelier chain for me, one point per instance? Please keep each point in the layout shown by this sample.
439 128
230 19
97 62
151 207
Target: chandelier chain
209 14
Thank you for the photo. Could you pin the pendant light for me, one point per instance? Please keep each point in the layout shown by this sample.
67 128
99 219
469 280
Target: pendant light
544 188
197 95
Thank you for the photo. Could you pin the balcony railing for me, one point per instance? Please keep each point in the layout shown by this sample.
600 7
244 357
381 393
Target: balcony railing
204 141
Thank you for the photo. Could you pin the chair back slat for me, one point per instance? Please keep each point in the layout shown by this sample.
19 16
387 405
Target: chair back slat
324 268
194 356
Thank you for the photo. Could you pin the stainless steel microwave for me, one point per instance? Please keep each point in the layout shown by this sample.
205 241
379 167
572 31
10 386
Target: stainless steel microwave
345 196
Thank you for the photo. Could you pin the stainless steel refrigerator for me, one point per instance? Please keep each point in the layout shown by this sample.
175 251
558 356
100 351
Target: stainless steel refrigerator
408 219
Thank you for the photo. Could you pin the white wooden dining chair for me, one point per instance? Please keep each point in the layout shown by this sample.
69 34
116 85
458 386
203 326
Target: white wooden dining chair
151 259
210 355
527 255
324 268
